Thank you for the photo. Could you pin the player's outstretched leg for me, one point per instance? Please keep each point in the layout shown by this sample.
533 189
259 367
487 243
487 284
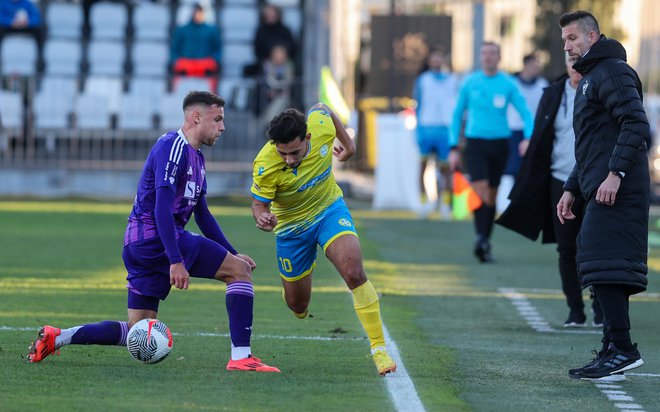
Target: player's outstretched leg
365 301
240 301
50 339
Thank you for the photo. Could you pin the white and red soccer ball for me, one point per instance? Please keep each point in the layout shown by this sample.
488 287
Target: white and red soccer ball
149 341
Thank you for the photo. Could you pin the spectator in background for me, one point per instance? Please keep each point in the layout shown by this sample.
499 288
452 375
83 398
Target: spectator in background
435 93
531 86
196 49
277 75
23 16
272 32
548 162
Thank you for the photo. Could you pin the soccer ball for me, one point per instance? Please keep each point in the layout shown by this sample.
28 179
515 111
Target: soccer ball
149 341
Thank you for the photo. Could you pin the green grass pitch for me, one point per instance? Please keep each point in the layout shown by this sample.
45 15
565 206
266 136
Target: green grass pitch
463 343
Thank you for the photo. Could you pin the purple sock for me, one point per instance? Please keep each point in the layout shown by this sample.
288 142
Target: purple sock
239 301
108 332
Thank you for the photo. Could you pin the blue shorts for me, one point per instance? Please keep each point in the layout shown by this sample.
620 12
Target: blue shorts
149 268
433 139
296 253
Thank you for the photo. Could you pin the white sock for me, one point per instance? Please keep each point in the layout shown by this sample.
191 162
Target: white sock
64 338
240 352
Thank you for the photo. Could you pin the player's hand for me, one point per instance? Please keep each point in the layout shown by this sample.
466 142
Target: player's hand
522 147
267 222
247 259
179 276
564 206
606 194
341 153
453 159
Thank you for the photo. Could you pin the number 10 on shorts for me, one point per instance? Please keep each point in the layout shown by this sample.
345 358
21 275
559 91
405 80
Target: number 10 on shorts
286 264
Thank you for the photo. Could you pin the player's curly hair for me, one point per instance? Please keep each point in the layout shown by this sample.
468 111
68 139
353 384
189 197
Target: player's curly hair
287 126
202 97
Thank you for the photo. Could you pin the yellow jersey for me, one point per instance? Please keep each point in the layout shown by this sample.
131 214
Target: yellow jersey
298 196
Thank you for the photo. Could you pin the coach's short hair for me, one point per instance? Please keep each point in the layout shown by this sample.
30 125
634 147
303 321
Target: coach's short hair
202 97
287 126
584 19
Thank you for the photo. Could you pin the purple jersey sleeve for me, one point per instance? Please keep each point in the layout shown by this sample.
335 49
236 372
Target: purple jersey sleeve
165 224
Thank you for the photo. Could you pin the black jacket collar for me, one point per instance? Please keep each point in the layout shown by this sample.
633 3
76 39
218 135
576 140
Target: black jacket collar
603 49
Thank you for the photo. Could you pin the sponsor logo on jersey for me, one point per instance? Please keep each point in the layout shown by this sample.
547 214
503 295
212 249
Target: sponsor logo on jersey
318 179
324 150
191 190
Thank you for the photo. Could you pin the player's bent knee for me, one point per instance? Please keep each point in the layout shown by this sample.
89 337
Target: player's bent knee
355 277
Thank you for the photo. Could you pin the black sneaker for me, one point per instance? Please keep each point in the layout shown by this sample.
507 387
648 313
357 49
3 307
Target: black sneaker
482 251
576 319
577 373
613 361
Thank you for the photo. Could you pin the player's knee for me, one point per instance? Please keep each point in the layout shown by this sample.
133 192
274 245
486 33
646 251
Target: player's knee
355 276
243 273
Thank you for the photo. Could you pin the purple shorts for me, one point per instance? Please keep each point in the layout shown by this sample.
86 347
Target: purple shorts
149 268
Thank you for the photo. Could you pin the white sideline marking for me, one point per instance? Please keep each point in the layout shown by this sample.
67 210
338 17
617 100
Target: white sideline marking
615 393
533 317
399 385
650 375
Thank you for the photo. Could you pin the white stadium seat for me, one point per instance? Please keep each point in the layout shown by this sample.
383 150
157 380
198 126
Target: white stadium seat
239 23
151 21
108 20
62 57
234 57
106 57
64 20
19 55
150 59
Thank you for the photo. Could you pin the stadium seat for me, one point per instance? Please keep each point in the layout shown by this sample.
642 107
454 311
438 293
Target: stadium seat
285 3
239 23
106 58
11 116
152 88
151 21
186 84
292 18
150 59
235 57
92 113
19 55
64 20
110 88
52 111
170 112
108 21
62 57
136 113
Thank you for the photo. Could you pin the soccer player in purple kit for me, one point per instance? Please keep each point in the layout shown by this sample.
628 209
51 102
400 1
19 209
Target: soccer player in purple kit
159 253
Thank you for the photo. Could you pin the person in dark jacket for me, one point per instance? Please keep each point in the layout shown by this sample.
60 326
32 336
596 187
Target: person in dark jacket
612 175
272 32
547 164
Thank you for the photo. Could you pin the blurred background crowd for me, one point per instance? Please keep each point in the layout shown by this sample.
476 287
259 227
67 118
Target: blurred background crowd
88 85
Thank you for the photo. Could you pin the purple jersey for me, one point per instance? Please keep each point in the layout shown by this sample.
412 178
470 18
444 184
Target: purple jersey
172 163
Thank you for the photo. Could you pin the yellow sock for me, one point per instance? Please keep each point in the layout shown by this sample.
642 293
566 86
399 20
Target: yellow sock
365 302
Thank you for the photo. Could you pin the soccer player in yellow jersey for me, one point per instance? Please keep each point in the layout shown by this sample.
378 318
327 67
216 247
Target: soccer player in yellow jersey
296 196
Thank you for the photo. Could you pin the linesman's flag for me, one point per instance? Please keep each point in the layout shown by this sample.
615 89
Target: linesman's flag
464 200
330 94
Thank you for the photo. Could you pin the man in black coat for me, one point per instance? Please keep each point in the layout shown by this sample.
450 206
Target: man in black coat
547 164
611 173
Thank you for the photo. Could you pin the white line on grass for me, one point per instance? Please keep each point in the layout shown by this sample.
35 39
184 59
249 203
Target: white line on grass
614 393
399 385
533 317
